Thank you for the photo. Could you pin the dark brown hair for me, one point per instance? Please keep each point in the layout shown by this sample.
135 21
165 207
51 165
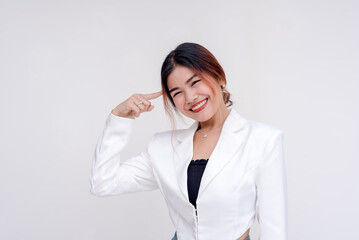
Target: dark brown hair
199 60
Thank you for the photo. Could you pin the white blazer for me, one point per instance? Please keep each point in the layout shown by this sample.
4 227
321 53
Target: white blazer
245 177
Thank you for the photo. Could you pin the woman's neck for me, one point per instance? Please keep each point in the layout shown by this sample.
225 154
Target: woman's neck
216 121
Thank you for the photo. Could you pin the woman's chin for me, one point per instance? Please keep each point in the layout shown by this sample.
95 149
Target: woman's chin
201 117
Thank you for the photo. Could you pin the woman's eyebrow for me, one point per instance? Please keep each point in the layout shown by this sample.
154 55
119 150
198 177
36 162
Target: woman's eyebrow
188 80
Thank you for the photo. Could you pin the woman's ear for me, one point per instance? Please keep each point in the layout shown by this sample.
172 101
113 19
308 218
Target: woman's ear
222 82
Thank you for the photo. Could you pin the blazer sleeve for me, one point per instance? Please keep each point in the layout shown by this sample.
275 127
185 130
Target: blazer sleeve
112 176
271 186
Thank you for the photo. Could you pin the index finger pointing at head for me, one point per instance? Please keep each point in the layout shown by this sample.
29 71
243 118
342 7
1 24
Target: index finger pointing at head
152 95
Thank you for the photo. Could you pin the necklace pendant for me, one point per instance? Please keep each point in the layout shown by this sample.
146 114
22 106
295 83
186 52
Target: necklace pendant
205 135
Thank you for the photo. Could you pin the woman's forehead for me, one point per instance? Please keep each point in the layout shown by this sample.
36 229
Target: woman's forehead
180 75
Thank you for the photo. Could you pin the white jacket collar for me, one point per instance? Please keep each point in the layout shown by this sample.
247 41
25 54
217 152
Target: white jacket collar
230 140
234 122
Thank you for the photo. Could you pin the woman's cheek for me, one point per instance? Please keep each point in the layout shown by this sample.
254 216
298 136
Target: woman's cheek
179 102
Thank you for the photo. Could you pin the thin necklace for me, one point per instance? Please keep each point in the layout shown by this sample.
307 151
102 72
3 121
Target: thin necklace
205 134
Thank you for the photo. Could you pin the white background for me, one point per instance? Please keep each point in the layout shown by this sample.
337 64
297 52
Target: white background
64 65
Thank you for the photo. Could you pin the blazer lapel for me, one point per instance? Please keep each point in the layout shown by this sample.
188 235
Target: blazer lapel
183 155
228 143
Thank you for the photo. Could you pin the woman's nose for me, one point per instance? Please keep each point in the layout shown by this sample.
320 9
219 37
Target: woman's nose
191 97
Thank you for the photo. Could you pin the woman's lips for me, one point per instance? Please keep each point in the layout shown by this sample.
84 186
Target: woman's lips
201 105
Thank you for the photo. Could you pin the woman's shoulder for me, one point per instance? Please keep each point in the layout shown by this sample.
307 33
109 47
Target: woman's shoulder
264 132
263 127
255 127
166 136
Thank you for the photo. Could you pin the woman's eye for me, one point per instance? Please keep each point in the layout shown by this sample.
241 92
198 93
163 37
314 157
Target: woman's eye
176 94
195 82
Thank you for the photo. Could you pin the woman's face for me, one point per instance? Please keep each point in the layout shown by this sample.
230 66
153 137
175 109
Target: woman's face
191 95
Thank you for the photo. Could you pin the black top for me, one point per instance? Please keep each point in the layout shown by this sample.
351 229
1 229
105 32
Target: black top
194 176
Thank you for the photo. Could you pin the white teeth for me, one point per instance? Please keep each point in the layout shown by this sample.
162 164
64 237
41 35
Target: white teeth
200 105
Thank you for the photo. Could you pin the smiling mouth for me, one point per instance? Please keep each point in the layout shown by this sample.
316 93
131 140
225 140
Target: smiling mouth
199 105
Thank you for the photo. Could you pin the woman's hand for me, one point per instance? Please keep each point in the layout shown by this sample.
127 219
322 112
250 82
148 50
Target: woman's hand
135 105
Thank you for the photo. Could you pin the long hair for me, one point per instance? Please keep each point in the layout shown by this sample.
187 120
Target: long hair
202 62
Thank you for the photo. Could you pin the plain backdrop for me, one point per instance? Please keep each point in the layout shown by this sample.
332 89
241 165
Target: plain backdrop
64 65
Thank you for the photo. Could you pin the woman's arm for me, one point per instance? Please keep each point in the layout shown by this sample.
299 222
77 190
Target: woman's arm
110 175
272 192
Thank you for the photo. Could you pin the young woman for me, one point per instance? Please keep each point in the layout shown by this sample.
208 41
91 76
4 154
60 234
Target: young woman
216 176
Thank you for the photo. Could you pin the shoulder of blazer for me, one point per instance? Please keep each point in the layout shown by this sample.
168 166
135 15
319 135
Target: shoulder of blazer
165 137
263 128
264 134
